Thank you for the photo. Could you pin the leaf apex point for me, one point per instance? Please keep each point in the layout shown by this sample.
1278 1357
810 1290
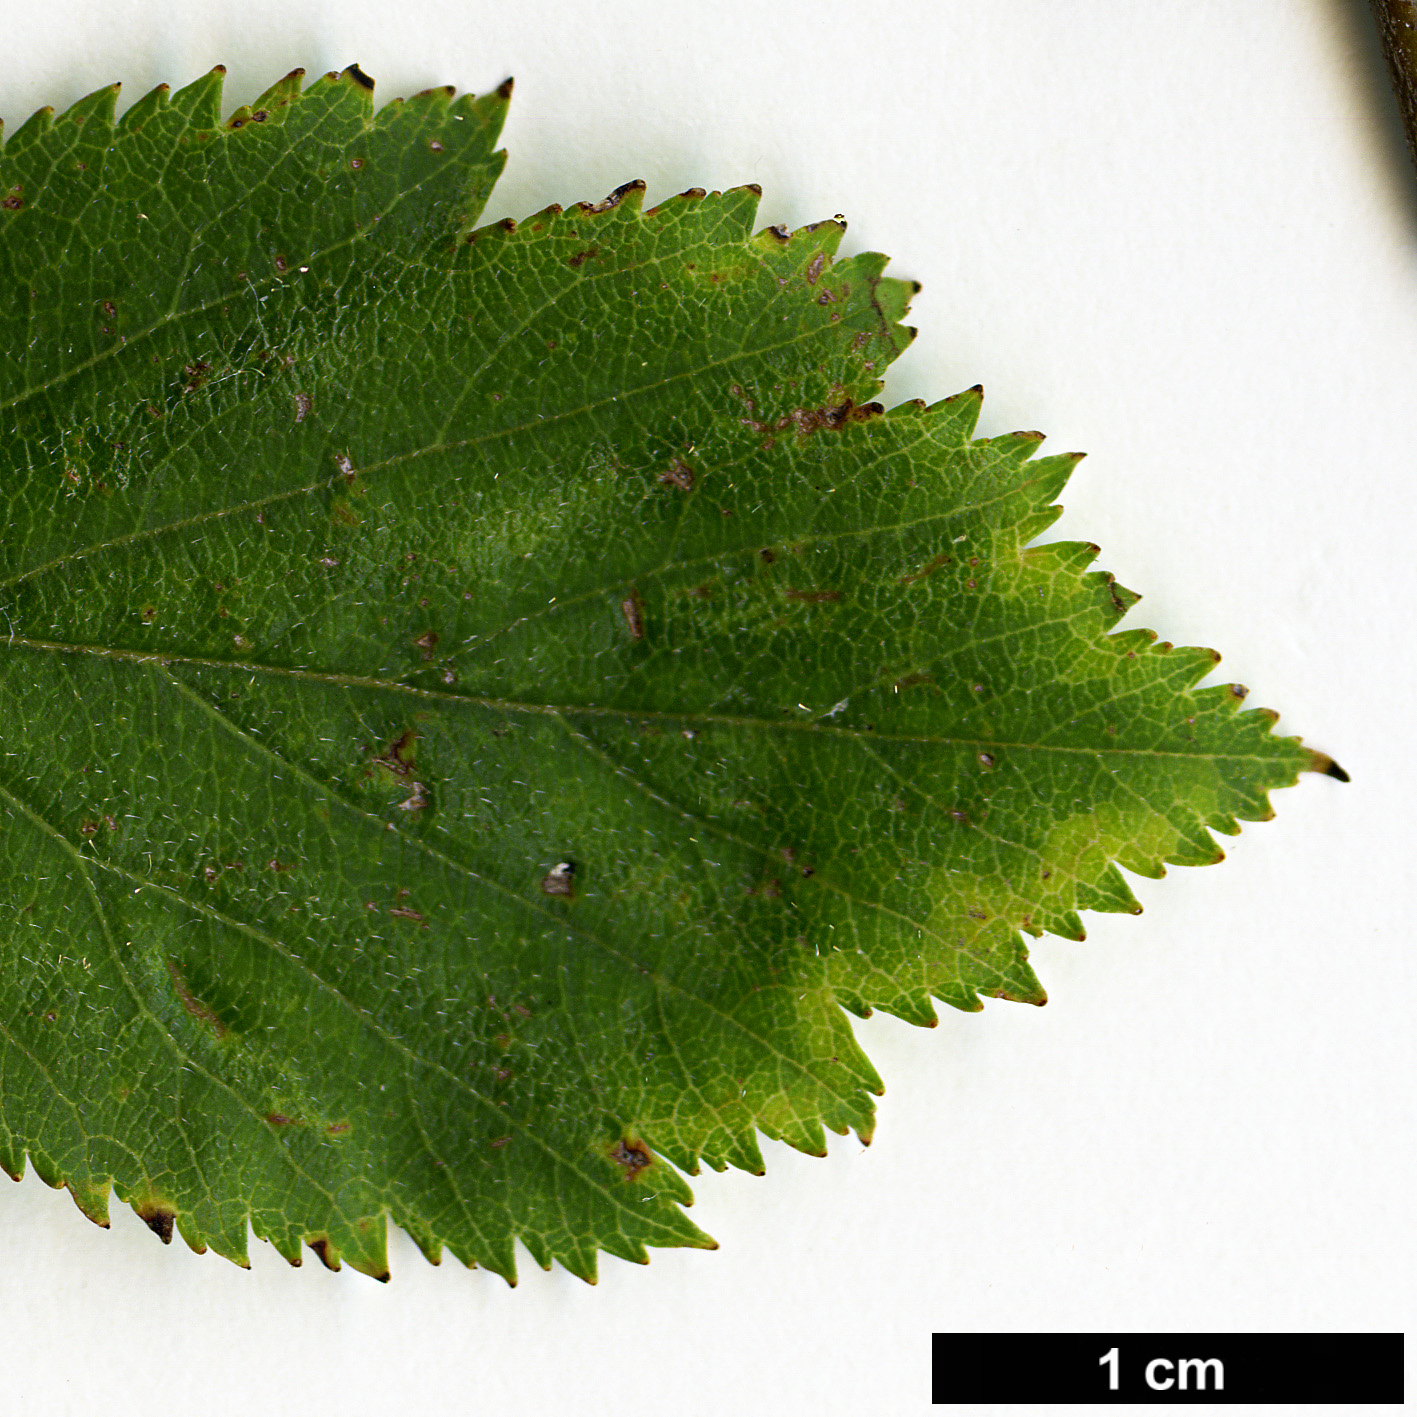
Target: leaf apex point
504 89
357 75
1321 762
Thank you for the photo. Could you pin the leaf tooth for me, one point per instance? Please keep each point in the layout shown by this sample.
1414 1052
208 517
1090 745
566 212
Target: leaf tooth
1064 557
280 95
624 1248
675 205
957 415
1194 847
736 1147
818 238
285 1243
630 194
155 1213
1109 892
579 1260
324 1251
422 1234
91 1199
1015 447
1320 762
356 76
201 99
31 130
100 105
913 1006
145 109
497 1254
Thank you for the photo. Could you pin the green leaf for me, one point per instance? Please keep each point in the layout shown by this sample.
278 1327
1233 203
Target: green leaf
478 704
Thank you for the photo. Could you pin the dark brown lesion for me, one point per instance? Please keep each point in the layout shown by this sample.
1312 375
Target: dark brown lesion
1321 762
193 1005
395 764
328 1256
679 475
1397 28
633 609
158 1218
560 880
631 1156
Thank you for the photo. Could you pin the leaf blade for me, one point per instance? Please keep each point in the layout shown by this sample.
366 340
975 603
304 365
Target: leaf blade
478 703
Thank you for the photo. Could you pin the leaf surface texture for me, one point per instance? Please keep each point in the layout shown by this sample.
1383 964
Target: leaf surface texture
477 704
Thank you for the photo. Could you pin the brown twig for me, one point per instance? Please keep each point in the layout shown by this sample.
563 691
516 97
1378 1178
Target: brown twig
1397 25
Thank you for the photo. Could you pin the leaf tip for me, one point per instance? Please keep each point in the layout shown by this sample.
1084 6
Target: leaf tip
158 1218
357 75
504 89
1321 762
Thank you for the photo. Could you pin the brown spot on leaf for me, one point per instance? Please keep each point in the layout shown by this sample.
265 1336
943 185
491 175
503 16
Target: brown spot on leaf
632 1157
192 1004
397 758
416 800
321 1247
279 1119
158 1218
680 475
560 880
581 257
427 642
1321 762
926 570
632 608
613 200
815 269
812 597
303 404
196 375
402 912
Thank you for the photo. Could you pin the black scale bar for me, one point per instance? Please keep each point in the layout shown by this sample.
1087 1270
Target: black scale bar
1046 1368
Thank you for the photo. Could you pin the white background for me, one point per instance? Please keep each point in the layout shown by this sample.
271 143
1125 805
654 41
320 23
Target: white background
1179 234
